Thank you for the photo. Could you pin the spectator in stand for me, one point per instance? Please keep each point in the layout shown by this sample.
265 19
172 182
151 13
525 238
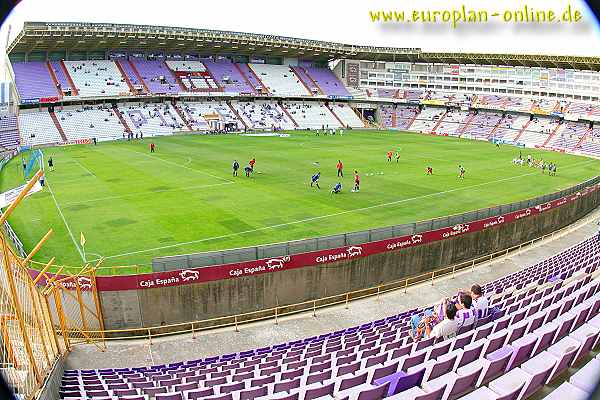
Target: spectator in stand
447 327
466 314
480 302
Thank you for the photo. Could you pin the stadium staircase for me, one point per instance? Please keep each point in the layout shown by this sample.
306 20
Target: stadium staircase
335 115
183 117
74 89
299 77
493 132
262 85
583 137
58 126
54 79
521 131
466 124
412 120
237 66
394 120
551 135
289 115
138 76
397 94
313 81
125 77
122 119
439 122
237 115
177 78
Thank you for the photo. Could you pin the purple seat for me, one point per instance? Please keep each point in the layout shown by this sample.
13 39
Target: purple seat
168 396
384 371
318 392
376 393
252 393
199 393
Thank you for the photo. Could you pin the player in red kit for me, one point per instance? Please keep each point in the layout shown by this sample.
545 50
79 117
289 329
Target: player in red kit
356 181
340 168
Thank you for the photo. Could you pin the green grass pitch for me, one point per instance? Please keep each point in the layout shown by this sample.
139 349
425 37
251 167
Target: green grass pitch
133 206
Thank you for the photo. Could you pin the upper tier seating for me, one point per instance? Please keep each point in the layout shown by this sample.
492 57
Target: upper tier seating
193 75
61 76
90 122
263 115
280 80
327 81
545 320
228 76
38 128
9 133
97 78
311 115
151 119
33 80
157 76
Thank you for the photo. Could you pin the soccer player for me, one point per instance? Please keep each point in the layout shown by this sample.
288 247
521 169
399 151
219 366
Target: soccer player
252 162
248 170
429 171
51 164
461 172
356 181
340 169
314 180
152 147
236 166
397 156
338 188
389 155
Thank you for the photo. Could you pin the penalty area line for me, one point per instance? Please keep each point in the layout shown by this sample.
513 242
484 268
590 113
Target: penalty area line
155 157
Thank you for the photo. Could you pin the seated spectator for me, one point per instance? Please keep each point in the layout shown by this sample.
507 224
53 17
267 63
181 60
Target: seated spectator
480 302
447 327
466 314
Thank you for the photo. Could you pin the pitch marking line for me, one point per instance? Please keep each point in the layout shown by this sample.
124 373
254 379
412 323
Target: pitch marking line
65 222
145 193
84 168
330 215
179 165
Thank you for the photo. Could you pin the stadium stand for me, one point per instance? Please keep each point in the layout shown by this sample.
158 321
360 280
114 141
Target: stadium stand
9 132
279 80
326 81
97 78
347 115
263 115
58 70
201 113
228 76
156 76
151 119
90 122
37 128
311 115
541 320
33 80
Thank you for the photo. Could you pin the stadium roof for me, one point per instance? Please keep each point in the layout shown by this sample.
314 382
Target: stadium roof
79 36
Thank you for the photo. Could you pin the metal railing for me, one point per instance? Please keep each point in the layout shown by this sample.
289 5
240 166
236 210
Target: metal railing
275 313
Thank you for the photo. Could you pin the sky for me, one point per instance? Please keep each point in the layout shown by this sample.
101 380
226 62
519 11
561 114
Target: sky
346 21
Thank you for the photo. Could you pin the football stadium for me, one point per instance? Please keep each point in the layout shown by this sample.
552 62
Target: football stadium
199 214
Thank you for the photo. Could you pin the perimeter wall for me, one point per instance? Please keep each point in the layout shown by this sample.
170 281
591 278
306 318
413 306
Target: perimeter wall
183 302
